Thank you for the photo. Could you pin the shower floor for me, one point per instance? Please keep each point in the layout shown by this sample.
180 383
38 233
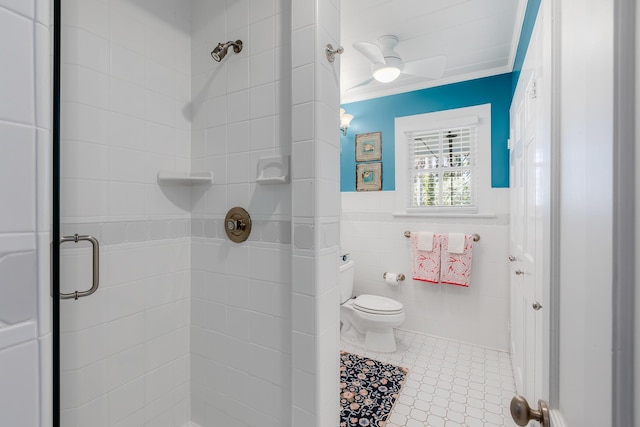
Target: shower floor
450 384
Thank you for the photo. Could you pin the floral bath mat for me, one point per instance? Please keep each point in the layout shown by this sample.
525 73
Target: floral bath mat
368 390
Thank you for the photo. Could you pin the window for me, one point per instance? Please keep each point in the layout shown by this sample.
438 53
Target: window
440 167
443 164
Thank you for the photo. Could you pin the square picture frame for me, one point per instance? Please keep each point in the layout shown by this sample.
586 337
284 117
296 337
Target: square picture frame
368 146
369 176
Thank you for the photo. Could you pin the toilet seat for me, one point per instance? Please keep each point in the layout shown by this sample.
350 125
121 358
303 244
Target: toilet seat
375 304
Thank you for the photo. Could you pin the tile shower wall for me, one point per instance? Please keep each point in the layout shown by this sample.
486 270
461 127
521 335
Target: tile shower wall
126 114
126 75
25 327
316 212
478 314
241 292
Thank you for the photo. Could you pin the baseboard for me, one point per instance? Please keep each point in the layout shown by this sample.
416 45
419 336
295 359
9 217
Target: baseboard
501 350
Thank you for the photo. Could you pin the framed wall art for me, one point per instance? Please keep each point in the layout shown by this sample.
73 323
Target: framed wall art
369 146
369 176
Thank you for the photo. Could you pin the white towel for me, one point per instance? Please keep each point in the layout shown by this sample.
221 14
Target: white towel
425 241
456 243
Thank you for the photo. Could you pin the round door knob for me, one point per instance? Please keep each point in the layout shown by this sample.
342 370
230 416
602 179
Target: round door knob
522 413
512 258
536 306
519 272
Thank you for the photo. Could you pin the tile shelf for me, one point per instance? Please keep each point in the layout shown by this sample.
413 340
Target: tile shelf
273 170
273 180
184 178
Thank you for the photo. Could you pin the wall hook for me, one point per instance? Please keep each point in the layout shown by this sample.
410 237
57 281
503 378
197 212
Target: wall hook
331 52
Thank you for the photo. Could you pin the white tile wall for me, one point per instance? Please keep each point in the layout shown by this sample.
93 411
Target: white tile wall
241 303
20 403
316 212
127 345
375 241
125 349
141 93
25 339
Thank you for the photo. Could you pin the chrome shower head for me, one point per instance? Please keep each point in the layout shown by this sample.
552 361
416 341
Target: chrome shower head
220 51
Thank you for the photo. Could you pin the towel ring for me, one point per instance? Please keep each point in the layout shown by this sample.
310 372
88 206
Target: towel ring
476 237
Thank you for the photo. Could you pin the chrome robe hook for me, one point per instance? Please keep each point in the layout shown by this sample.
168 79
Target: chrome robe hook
331 52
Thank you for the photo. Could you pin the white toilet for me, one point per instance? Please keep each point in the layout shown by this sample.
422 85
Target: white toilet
368 317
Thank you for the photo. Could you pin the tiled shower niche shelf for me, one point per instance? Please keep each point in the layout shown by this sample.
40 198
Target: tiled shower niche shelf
184 178
273 170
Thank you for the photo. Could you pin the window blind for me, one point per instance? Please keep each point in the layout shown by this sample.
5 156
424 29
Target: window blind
441 166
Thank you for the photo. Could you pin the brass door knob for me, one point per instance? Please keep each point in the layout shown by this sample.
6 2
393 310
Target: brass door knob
522 413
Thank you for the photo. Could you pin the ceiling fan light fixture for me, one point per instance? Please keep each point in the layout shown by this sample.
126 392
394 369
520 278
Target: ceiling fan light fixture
387 72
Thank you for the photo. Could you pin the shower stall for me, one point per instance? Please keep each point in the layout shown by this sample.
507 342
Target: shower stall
169 112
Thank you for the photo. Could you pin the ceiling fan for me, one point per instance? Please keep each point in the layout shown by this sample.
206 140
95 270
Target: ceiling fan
387 65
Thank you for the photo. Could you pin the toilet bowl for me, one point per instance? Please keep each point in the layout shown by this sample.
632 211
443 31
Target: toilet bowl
367 318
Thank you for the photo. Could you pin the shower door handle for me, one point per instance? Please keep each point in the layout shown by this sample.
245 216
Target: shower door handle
96 265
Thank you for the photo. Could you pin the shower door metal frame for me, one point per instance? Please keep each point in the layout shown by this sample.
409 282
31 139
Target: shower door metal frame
55 212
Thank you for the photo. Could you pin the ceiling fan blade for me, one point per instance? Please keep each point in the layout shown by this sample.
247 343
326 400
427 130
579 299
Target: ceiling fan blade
364 83
431 68
371 50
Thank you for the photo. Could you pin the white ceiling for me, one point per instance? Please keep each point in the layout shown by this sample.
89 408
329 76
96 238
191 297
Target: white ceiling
478 37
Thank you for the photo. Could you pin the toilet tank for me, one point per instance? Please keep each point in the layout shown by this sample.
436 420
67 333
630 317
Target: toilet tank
347 272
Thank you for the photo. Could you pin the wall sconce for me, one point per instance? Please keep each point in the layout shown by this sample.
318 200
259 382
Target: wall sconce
345 121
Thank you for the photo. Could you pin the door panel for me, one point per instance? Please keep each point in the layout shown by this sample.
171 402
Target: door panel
573 169
124 349
524 241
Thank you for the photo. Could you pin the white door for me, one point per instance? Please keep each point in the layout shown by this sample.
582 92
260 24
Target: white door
562 214
585 87
525 237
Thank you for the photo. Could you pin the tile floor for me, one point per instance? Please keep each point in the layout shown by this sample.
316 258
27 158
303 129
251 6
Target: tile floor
450 384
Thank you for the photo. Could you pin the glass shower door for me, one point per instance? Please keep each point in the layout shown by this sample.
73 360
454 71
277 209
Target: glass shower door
124 337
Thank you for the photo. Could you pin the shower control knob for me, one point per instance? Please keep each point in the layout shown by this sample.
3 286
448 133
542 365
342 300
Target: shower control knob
512 258
519 272
235 225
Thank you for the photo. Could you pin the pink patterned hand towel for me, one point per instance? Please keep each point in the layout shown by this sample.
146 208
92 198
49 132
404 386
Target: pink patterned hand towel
425 264
456 268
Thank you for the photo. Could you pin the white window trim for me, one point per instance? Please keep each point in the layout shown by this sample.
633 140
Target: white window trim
481 116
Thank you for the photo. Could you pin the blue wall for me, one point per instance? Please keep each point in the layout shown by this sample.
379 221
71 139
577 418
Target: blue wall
378 115
530 15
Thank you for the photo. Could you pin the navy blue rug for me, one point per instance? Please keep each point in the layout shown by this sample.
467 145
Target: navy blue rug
368 390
